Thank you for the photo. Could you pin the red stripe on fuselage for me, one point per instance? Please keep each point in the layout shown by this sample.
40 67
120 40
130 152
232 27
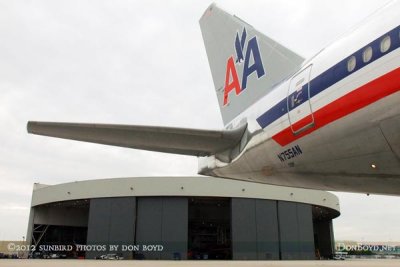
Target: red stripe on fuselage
345 105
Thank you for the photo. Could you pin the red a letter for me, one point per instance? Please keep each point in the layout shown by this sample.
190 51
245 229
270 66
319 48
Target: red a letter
231 71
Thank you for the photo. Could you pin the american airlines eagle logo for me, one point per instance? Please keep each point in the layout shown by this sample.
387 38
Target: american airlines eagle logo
248 54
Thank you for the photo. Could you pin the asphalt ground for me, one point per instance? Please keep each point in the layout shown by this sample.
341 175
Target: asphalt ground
123 263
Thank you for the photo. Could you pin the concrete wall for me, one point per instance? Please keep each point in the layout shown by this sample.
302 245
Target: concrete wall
29 232
172 186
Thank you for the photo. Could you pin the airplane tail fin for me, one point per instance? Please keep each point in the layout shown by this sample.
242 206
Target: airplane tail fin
245 64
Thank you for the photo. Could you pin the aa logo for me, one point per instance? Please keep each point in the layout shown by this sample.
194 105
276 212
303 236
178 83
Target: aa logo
248 54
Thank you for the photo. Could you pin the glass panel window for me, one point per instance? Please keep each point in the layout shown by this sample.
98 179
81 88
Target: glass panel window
351 63
385 44
367 54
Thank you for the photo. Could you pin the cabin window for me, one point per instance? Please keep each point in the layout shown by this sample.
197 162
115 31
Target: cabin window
367 54
385 44
351 63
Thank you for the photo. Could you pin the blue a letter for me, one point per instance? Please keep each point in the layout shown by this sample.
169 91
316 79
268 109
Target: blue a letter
252 50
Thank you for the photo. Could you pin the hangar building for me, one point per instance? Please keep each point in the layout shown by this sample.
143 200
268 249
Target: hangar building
183 218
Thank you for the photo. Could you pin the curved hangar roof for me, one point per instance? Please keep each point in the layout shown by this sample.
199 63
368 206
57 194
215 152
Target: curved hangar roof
178 186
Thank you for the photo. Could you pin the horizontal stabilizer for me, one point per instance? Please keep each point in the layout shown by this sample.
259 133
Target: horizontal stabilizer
162 139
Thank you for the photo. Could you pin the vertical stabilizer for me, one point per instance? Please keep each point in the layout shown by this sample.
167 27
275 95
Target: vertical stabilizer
245 64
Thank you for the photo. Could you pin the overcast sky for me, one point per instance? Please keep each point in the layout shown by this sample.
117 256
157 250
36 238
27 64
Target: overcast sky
139 62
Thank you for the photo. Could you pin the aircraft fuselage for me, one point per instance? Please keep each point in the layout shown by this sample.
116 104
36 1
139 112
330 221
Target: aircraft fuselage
334 124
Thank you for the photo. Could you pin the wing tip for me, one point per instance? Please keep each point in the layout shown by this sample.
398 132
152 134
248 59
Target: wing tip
30 126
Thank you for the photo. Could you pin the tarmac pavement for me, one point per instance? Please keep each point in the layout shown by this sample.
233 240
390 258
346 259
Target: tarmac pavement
148 263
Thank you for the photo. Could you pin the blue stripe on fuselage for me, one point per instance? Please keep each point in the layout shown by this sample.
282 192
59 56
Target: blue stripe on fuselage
331 76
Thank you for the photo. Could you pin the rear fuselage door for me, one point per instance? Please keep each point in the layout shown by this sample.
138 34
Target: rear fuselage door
298 102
